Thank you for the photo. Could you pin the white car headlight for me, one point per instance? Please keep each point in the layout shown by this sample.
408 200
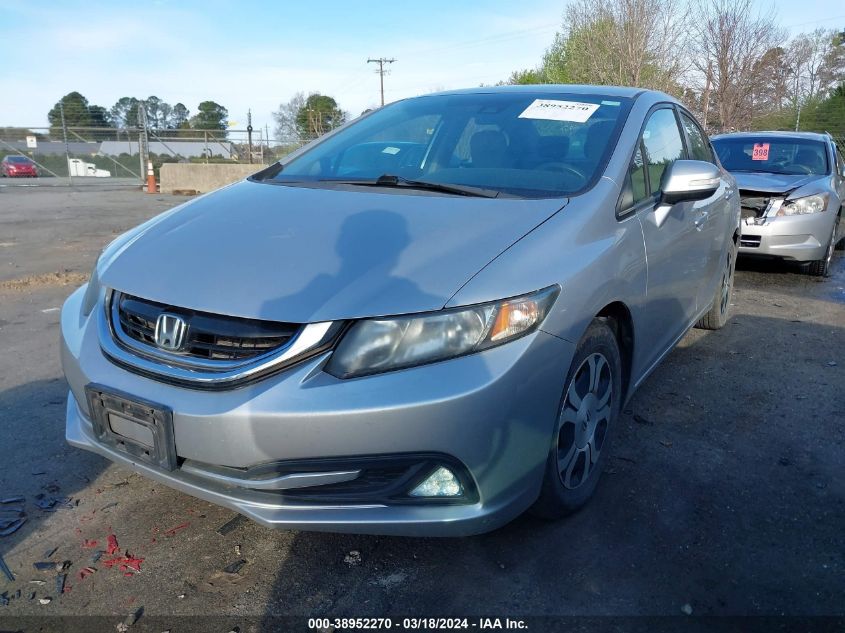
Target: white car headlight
803 206
377 345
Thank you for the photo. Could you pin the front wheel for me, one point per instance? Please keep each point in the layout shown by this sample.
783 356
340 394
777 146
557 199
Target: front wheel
821 267
588 413
717 315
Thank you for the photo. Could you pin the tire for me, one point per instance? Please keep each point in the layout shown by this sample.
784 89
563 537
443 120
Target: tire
821 267
581 440
720 308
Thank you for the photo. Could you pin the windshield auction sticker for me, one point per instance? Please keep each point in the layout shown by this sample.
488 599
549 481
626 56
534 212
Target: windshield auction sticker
760 151
552 110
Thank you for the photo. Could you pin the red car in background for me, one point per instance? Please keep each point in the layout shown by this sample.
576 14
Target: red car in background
18 167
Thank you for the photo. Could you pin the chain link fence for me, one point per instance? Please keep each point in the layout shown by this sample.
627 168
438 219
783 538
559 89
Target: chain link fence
119 156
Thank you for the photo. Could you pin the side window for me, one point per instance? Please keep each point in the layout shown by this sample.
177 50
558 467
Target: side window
699 148
639 187
663 145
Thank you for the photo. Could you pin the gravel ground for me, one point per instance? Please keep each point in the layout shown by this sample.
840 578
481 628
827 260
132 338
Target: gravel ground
724 495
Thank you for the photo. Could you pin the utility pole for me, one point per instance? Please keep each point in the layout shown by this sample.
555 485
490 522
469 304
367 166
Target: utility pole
381 61
249 132
67 147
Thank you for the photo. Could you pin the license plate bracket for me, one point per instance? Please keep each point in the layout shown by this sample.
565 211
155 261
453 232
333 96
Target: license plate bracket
155 421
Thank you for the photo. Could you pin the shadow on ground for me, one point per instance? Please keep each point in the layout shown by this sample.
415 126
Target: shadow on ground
723 494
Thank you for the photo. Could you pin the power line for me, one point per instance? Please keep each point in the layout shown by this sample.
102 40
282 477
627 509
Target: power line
381 61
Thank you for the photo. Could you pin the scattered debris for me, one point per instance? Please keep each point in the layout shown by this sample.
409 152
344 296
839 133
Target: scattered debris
6 571
784 461
37 582
61 579
352 558
51 504
235 567
4 599
131 619
124 563
831 363
45 600
10 526
231 525
237 550
90 543
174 530
97 555
85 572
666 443
32 595
391 580
181 596
112 547
687 608
49 565
49 553
15 499
108 505
641 420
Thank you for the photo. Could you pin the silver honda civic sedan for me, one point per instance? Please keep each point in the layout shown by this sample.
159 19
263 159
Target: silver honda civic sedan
423 323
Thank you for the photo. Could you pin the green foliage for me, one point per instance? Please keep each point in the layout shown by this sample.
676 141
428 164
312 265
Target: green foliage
210 116
318 115
78 113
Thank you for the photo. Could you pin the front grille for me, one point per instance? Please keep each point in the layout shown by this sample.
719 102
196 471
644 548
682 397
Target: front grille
753 206
209 336
749 241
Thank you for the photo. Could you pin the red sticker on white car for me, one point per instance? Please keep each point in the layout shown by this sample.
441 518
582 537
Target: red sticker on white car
760 151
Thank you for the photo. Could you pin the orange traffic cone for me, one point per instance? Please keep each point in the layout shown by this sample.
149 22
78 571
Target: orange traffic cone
151 178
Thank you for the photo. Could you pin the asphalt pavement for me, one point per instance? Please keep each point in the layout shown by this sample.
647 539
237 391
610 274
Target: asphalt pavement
724 495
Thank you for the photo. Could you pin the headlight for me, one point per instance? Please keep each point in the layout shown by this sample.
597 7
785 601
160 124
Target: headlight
804 206
92 294
378 345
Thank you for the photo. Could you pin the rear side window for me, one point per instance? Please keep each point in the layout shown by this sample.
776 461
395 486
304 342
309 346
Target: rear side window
662 143
699 148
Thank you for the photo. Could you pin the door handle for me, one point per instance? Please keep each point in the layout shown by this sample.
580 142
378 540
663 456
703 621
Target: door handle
700 220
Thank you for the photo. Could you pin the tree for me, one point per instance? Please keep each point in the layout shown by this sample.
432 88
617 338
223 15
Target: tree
527 76
728 44
124 113
619 42
76 111
179 116
318 115
210 116
285 117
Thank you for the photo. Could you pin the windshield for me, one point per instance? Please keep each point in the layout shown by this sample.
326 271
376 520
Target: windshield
17 159
534 145
772 155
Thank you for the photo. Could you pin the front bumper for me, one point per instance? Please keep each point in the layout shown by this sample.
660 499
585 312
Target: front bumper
492 412
801 238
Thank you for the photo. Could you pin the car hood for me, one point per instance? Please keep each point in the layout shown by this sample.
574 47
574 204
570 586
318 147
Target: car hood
772 183
302 254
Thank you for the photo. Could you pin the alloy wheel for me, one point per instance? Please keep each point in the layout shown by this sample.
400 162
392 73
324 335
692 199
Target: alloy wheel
584 419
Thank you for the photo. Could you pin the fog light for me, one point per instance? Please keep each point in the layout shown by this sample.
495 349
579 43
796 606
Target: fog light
441 483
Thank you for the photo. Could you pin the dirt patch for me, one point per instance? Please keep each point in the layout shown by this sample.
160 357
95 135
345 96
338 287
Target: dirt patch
58 278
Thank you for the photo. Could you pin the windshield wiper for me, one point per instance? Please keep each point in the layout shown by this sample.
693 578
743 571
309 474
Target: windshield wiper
391 180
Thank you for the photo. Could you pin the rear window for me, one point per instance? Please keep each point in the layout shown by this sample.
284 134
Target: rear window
772 155
524 144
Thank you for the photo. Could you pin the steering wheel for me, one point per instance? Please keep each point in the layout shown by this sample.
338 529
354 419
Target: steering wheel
803 168
563 167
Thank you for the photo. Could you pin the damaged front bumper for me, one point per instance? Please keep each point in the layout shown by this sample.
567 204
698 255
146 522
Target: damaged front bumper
800 237
304 450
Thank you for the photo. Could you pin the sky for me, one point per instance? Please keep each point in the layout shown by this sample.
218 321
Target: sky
255 55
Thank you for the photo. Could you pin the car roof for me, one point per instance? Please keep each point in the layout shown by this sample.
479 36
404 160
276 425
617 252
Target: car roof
807 136
610 91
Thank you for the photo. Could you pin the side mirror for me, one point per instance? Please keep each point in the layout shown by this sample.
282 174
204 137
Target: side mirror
687 180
